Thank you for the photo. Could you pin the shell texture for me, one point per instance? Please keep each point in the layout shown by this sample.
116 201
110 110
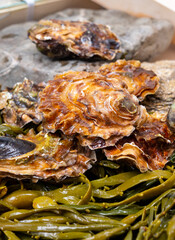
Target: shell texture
19 104
138 81
63 39
88 104
52 157
148 148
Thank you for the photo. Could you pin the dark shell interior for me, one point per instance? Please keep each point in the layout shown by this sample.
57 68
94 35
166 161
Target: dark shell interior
11 147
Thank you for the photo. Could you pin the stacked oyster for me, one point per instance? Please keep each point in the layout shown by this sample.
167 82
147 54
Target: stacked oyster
101 111
77 113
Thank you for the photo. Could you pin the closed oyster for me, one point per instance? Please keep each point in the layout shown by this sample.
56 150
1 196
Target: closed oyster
136 79
63 39
88 104
19 104
43 156
148 148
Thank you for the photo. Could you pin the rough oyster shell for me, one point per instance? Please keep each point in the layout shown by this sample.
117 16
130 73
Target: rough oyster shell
136 79
90 105
148 148
63 39
52 158
19 104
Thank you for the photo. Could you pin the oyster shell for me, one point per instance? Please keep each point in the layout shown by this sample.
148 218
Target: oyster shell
148 148
48 157
136 79
63 39
88 104
19 104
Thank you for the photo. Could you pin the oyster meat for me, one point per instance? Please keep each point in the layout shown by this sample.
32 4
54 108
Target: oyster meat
44 156
70 39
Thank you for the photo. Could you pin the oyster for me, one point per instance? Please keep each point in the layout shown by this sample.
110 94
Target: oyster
88 104
43 156
19 104
136 79
65 39
148 148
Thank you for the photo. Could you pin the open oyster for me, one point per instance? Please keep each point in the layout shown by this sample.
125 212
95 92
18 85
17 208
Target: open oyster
43 156
88 104
19 104
137 80
63 39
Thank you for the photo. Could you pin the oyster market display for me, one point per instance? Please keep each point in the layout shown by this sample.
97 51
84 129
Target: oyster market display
81 112
89 154
70 39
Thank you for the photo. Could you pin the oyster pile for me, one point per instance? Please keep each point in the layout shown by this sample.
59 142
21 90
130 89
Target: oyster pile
91 106
72 39
79 112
